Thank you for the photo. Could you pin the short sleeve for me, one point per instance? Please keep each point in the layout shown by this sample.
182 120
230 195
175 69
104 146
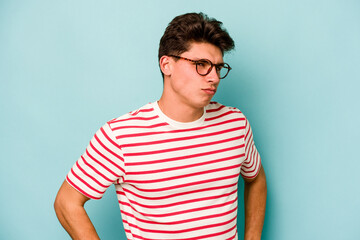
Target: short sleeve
101 165
252 163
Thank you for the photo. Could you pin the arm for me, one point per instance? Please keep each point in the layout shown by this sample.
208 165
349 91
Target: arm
255 203
69 208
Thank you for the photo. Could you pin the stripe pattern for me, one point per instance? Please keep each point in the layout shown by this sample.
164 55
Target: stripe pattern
173 180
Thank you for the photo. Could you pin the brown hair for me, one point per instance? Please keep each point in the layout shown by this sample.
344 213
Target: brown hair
193 27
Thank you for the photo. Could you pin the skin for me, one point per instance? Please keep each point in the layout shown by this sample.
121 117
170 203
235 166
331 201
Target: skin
184 97
69 208
255 202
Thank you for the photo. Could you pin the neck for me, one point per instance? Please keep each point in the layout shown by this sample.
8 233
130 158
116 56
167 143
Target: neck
178 111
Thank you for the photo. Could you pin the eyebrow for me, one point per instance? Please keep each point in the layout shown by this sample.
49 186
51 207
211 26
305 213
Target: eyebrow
208 60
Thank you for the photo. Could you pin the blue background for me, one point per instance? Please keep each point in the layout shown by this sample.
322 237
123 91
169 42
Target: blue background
66 67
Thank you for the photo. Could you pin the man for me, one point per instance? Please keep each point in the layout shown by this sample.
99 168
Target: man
176 162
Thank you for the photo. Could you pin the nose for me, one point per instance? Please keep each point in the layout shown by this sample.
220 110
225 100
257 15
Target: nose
213 76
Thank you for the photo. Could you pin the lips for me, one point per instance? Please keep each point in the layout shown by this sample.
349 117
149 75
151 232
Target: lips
211 91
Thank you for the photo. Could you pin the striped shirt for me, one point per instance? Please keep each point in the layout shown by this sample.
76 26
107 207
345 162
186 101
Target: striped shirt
173 180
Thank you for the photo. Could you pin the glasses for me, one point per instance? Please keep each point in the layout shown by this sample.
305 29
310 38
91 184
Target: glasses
204 66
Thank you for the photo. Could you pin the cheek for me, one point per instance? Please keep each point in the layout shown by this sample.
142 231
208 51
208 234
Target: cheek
185 81
182 86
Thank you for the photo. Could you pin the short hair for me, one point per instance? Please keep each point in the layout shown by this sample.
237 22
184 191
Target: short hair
194 27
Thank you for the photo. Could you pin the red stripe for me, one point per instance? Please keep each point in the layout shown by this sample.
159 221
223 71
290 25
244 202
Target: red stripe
95 170
232 237
248 130
185 166
254 162
107 159
249 156
182 230
133 118
184 147
85 183
177 194
110 151
184 175
182 202
221 115
215 109
182 221
253 176
141 110
89 176
80 190
181 138
102 165
193 210
184 157
110 140
120 180
192 238
186 185
136 126
248 144
146 109
253 157
178 130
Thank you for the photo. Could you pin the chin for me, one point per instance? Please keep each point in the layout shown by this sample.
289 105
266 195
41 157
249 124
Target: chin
203 103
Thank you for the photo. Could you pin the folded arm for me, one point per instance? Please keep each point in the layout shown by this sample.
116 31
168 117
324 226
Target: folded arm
69 208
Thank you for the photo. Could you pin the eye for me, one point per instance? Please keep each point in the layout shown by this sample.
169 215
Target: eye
202 63
219 67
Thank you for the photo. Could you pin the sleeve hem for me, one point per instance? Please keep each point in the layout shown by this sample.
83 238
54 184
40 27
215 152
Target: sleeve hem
253 176
80 190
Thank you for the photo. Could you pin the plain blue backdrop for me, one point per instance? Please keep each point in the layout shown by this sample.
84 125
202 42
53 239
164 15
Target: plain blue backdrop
67 67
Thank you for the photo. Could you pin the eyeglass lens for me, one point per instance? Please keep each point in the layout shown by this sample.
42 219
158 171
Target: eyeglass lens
204 67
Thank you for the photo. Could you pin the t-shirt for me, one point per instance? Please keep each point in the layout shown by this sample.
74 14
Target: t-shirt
173 180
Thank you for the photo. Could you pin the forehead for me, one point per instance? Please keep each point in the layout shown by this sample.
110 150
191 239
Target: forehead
204 51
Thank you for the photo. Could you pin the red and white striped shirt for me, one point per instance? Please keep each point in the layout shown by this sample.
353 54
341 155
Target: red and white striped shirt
173 180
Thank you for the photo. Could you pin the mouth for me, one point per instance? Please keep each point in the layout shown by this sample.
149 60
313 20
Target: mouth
210 91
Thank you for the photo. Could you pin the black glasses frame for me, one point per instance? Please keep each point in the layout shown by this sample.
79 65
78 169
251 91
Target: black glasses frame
198 62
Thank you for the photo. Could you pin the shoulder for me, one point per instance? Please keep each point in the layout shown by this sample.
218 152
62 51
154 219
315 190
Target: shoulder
139 115
215 109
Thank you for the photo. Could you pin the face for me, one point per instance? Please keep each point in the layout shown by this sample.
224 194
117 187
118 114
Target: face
185 85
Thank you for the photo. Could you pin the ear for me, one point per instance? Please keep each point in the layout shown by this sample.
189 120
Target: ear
165 65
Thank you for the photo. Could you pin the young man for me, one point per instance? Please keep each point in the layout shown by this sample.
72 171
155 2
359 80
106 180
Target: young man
176 162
